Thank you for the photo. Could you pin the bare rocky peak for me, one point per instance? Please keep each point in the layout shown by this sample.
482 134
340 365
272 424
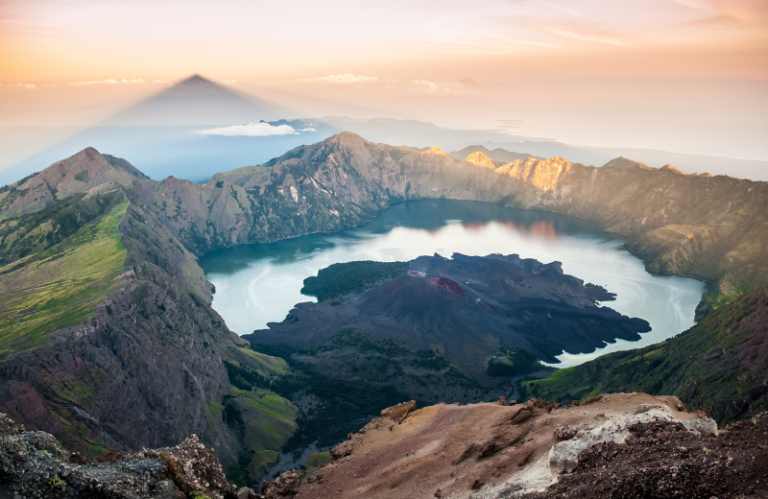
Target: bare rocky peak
481 160
673 169
84 171
498 154
622 162
436 150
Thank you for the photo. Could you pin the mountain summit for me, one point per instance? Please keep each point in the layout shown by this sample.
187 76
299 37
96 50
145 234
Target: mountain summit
197 101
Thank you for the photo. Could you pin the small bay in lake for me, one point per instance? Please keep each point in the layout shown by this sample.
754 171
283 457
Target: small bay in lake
260 283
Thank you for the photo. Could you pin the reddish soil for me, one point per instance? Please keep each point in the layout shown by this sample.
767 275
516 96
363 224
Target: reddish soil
449 285
458 450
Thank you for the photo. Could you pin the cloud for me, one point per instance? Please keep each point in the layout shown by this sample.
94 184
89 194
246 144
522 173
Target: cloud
392 87
28 86
344 79
592 37
551 5
746 11
442 88
111 81
260 129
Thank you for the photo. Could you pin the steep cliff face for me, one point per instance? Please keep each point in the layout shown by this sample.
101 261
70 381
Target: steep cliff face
338 183
108 340
711 228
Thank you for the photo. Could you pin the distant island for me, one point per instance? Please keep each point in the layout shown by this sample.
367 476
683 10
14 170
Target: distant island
465 307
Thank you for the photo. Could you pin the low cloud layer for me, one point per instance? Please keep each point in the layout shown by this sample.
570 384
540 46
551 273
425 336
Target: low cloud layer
344 79
385 86
114 81
260 129
28 86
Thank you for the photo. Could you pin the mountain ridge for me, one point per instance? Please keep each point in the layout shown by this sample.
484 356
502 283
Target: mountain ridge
159 304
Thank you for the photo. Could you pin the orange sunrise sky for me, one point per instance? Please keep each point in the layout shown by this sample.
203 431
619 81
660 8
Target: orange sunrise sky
680 75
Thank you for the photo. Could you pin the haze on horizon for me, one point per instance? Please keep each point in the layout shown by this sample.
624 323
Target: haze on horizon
680 75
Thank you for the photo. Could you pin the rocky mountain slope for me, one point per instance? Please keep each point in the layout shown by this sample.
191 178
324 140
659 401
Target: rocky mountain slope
107 337
82 172
622 445
711 228
106 332
498 154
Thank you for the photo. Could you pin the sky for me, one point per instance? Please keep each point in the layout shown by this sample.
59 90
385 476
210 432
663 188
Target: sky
680 75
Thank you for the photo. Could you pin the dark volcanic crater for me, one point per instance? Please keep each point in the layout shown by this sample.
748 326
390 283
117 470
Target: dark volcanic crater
465 308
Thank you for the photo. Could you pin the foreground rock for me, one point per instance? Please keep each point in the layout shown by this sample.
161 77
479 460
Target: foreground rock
33 464
622 445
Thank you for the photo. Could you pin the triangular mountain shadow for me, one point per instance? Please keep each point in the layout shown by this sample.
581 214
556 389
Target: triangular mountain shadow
197 101
159 134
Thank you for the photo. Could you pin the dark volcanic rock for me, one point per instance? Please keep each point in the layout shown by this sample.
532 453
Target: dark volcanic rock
465 307
664 459
34 464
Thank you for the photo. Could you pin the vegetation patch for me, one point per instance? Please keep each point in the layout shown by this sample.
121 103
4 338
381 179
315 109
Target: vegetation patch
62 285
340 279
720 364
82 176
512 362
343 383
315 461
266 365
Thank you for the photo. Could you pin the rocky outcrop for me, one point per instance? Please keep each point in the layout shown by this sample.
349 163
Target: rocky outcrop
284 487
493 451
34 464
399 412
564 456
661 459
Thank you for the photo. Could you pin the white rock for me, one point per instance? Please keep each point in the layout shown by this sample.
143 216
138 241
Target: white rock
704 426
564 456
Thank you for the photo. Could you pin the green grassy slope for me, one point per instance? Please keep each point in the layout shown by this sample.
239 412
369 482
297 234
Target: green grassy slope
264 420
720 364
62 284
